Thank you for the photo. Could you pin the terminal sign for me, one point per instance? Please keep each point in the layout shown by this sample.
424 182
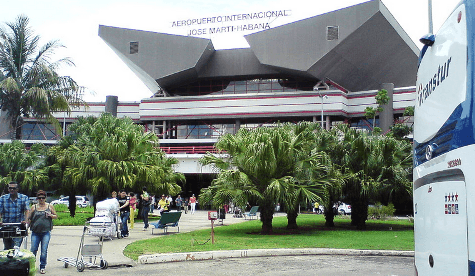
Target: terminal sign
230 23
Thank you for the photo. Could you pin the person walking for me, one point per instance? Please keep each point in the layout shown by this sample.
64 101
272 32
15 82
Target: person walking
14 208
145 207
133 206
193 203
178 202
187 203
124 212
170 201
152 204
41 223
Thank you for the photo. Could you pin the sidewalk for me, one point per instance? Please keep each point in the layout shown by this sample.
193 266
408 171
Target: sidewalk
65 240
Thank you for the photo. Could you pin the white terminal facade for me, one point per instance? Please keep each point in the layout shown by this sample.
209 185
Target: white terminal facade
328 66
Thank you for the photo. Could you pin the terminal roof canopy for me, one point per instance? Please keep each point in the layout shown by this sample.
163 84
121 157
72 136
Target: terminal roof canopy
359 47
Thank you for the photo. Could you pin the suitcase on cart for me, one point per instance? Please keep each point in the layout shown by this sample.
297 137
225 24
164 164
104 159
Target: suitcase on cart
16 262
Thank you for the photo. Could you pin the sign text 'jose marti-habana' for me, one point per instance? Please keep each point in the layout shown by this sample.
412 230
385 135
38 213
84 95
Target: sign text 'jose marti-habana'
230 23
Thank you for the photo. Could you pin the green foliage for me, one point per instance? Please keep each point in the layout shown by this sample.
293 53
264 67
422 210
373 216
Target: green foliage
375 166
380 211
266 166
409 111
377 130
370 112
111 154
22 165
382 98
65 219
29 82
399 131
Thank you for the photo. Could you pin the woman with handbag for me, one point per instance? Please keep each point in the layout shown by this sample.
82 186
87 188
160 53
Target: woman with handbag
41 223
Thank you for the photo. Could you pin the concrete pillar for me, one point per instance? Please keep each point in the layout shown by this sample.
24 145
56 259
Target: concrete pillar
111 105
238 125
164 130
327 123
386 117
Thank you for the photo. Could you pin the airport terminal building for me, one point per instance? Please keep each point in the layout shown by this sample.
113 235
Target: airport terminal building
327 68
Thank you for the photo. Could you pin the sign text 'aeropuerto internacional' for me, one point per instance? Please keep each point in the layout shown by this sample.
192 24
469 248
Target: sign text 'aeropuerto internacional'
226 22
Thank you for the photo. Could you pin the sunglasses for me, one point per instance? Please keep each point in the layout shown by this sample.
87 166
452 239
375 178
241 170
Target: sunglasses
12 188
41 197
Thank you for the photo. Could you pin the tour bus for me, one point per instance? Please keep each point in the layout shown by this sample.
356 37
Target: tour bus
444 148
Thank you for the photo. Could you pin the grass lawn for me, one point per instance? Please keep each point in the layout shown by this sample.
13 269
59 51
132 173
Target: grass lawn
64 219
381 235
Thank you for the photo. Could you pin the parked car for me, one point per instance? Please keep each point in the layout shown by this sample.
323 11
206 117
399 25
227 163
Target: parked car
344 209
81 201
33 200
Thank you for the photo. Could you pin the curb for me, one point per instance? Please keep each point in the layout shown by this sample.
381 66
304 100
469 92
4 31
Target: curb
212 255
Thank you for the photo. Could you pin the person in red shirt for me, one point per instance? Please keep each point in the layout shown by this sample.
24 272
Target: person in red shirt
193 203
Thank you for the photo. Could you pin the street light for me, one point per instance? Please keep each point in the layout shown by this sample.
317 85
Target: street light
321 97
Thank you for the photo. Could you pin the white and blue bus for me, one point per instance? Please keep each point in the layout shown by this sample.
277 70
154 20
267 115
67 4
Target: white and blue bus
444 148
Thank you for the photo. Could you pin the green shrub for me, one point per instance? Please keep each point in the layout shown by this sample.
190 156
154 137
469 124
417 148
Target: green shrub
380 211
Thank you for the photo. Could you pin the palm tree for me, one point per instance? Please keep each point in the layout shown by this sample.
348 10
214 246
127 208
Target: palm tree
370 163
29 82
261 168
328 144
112 154
22 165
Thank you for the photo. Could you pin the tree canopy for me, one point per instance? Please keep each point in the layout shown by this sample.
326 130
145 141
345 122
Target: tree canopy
22 165
29 81
265 166
108 153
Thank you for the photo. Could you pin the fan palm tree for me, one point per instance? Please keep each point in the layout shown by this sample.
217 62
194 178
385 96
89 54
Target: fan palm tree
22 165
261 168
113 154
29 81
370 163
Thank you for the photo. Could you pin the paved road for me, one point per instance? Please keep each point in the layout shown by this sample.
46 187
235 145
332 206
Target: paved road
270 266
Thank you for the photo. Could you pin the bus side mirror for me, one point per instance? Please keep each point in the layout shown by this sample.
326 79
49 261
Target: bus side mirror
428 39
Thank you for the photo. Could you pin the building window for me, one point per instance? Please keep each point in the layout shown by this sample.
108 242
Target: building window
38 131
134 47
332 33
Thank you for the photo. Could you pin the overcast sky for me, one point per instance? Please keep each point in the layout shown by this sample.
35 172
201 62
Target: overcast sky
75 23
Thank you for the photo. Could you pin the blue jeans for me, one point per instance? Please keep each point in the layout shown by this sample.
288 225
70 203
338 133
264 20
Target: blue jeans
9 243
124 217
145 210
36 239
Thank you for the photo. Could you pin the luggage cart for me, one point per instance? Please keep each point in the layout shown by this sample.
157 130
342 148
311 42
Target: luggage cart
106 223
16 261
90 252
104 227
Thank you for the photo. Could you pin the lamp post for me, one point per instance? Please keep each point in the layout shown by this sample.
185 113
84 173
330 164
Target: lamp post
321 103
64 124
